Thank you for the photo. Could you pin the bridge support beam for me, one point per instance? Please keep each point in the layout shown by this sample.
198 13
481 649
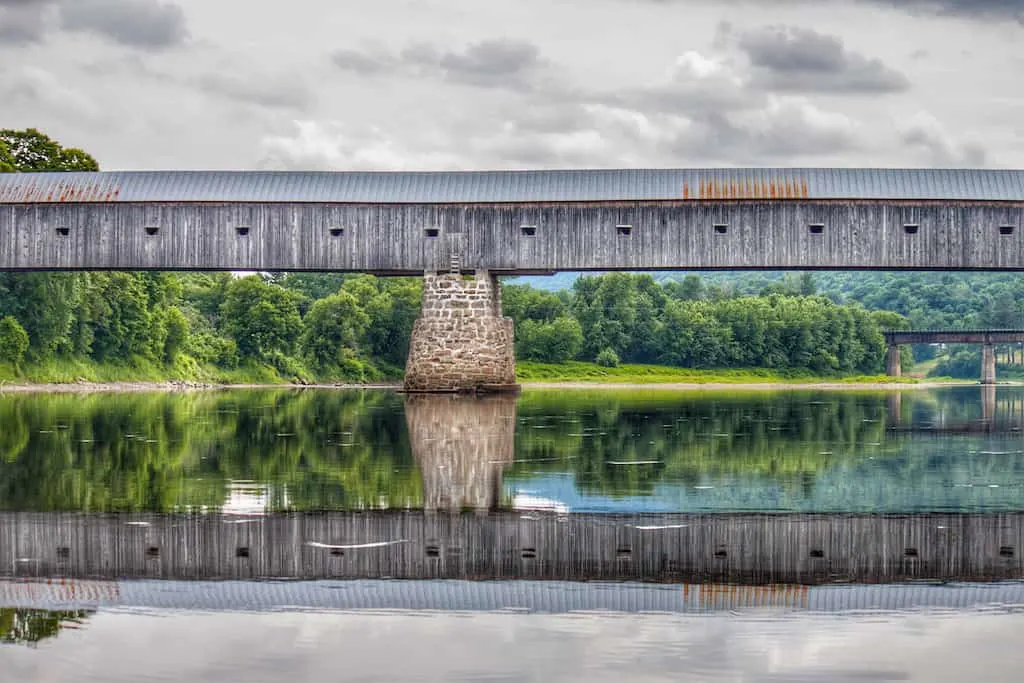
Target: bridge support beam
988 364
461 341
892 361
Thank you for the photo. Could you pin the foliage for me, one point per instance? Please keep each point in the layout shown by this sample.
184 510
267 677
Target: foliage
607 358
262 318
32 151
333 326
13 341
557 341
24 626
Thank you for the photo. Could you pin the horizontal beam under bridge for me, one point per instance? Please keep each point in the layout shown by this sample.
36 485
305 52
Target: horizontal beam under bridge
733 548
955 337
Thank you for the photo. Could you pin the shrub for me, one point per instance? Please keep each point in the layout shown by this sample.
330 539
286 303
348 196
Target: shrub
13 341
607 358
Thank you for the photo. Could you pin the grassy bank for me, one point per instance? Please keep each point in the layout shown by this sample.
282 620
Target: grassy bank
70 370
659 374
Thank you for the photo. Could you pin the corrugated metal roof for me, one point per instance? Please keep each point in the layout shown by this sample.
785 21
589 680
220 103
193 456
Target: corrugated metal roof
512 186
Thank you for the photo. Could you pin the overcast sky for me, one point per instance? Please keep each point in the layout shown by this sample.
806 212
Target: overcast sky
425 84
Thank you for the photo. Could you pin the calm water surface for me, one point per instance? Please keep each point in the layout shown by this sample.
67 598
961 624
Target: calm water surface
244 459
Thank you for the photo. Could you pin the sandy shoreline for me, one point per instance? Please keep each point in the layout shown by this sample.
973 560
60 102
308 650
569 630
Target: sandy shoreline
138 387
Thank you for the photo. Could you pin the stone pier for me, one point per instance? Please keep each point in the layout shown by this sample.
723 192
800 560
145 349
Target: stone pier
461 444
461 341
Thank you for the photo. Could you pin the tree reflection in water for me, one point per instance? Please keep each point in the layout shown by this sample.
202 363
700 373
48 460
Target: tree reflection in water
31 626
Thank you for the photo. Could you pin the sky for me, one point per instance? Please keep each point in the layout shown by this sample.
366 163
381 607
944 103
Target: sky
464 84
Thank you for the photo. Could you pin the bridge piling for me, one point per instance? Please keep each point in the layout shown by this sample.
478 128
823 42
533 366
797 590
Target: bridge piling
461 341
892 361
988 364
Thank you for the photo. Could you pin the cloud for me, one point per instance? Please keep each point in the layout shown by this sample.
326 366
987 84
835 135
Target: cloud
271 91
143 24
23 22
927 136
695 83
30 86
498 63
981 10
331 146
793 59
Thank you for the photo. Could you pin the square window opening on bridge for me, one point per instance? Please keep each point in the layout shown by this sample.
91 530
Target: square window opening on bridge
242 231
152 230
816 228
1006 229
63 232
624 230
911 228
432 232
721 228
528 230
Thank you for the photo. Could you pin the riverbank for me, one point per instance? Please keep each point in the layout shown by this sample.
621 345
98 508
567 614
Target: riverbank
141 387
79 377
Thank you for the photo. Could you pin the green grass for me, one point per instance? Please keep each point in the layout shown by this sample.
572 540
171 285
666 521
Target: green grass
71 370
576 371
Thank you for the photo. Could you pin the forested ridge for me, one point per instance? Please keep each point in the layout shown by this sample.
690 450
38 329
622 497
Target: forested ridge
332 327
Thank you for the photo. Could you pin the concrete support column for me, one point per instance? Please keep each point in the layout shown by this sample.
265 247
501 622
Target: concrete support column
988 364
461 444
461 341
988 404
892 361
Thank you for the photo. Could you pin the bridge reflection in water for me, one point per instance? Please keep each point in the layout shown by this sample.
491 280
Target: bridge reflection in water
999 414
735 548
515 557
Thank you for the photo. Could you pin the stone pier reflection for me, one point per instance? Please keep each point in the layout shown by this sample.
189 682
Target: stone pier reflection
461 444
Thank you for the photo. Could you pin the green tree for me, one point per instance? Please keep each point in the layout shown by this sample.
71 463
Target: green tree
6 159
332 330
13 340
177 333
260 317
557 341
33 151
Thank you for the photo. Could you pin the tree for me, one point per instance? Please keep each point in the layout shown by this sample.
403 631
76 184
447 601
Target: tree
555 342
13 341
6 160
34 152
333 326
177 333
260 317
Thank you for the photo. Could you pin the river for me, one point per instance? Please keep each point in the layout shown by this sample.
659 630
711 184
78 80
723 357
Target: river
558 535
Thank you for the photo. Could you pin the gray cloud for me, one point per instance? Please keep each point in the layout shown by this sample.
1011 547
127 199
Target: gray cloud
927 136
982 10
793 59
275 92
145 24
364 63
23 22
498 63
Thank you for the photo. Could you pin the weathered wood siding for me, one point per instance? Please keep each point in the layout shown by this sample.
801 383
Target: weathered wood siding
411 238
757 549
